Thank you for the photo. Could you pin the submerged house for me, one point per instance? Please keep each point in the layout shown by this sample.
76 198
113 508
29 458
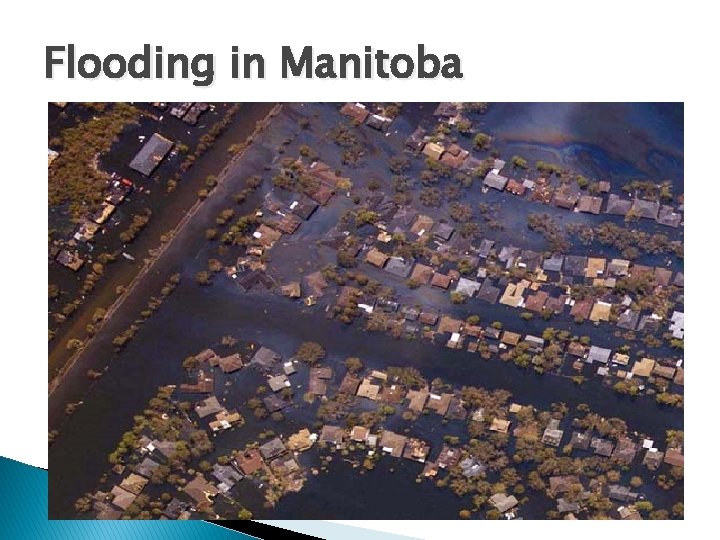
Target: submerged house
151 154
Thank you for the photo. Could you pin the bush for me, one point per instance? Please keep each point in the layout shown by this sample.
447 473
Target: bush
481 141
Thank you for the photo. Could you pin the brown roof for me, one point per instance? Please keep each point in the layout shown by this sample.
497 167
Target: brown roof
510 338
449 324
440 280
231 363
422 224
355 111
439 403
349 384
417 399
428 317
589 204
249 461
267 236
536 302
376 257
582 308
422 273
515 187
674 457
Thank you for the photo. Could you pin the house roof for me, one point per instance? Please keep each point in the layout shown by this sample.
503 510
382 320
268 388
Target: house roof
231 363
646 209
433 150
355 111
399 266
589 204
208 406
667 216
416 450
618 206
265 358
488 292
417 399
422 226
599 354
200 490
554 263
575 265
367 389
392 443
422 273
595 267
495 181
272 448
440 280
536 302
332 434
249 461
600 311
439 403
151 154
468 287
443 231
449 324
628 319
503 502
500 425
278 382
643 368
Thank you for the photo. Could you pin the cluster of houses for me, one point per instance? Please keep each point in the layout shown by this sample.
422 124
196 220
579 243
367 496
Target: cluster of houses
283 213
189 112
546 287
275 460
569 196
150 456
117 191
360 114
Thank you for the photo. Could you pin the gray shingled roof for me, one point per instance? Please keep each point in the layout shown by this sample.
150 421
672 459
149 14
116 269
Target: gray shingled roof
151 154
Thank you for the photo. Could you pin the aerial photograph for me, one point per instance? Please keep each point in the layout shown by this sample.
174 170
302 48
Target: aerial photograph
337 311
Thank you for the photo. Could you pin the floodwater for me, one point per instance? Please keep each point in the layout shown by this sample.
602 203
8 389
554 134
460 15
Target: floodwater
193 318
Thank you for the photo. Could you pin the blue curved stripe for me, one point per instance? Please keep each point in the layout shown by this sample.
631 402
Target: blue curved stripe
24 514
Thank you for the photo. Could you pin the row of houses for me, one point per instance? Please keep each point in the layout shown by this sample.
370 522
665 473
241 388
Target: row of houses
547 287
189 112
118 189
360 114
569 196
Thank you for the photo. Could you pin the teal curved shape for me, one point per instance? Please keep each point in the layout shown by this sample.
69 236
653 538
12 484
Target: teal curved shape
24 515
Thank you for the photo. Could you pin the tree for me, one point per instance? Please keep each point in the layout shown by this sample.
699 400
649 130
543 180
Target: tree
464 514
202 277
519 162
245 514
353 364
310 352
481 141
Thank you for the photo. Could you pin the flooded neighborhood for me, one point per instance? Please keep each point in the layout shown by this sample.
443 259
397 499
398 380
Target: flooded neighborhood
366 310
